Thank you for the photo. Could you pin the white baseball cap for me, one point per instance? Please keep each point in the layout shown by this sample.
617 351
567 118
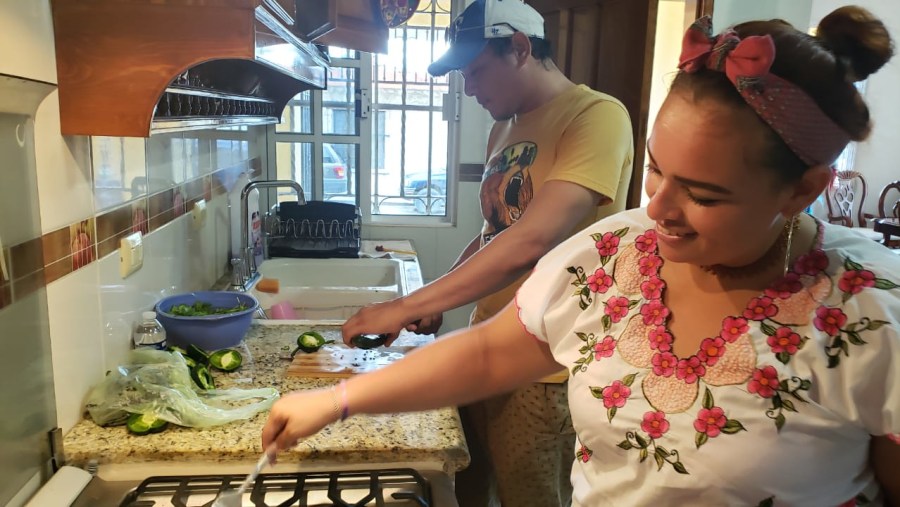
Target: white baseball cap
481 21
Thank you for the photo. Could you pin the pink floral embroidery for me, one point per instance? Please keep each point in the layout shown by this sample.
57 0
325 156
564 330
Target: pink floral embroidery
664 363
785 340
649 265
830 320
655 424
760 309
812 263
652 288
660 339
690 369
733 328
654 312
710 421
711 349
616 308
608 244
615 394
784 288
646 242
852 282
584 454
764 382
604 348
599 282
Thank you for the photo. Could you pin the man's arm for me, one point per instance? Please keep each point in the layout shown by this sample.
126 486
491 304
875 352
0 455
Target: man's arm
431 324
555 210
550 218
467 252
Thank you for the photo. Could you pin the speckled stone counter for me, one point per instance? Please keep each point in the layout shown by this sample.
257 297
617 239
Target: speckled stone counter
426 440
432 439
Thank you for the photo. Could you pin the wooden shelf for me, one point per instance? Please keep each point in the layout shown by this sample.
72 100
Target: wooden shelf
351 24
117 60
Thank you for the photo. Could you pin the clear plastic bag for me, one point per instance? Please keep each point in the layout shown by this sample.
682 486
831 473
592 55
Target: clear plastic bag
159 382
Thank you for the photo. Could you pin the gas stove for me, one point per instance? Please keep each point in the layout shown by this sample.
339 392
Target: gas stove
370 488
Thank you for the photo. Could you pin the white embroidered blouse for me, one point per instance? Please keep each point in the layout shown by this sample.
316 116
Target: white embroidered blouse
777 409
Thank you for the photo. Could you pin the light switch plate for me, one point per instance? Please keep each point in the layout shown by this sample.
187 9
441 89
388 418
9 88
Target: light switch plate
131 254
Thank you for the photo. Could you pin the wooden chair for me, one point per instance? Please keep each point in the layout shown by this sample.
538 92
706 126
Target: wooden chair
845 200
888 207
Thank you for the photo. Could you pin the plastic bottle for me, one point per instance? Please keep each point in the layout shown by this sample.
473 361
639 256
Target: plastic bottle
149 332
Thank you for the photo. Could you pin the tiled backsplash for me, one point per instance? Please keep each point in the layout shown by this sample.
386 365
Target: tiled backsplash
124 207
44 260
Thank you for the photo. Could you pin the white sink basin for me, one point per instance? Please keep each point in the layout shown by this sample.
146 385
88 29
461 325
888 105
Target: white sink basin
331 289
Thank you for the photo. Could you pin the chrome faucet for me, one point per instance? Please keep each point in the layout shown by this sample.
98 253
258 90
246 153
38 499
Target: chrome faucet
245 269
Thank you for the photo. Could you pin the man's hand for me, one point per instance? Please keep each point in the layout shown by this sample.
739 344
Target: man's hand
427 325
388 318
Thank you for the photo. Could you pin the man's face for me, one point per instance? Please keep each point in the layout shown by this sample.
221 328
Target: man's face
492 80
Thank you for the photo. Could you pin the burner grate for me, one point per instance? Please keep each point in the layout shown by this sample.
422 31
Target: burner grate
372 488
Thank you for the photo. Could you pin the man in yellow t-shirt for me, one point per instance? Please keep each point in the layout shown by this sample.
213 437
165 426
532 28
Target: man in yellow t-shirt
559 157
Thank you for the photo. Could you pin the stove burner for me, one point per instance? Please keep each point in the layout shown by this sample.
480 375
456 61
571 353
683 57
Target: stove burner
375 488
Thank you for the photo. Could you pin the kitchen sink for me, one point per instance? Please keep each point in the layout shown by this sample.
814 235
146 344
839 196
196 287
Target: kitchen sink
330 290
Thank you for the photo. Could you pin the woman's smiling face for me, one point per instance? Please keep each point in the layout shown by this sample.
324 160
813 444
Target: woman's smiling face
711 198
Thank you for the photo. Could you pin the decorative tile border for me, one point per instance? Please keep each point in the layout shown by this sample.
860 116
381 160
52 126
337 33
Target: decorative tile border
471 172
38 262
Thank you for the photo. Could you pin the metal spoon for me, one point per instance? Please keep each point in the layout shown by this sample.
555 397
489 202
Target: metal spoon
232 498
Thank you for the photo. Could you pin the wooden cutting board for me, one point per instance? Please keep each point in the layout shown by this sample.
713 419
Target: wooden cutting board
340 361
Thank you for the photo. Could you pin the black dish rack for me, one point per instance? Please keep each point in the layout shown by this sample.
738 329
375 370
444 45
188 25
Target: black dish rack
317 229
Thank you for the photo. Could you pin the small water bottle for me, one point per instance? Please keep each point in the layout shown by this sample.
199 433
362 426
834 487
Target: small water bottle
149 333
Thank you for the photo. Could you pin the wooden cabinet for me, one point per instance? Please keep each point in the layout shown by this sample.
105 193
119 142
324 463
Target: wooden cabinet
351 24
130 68
608 45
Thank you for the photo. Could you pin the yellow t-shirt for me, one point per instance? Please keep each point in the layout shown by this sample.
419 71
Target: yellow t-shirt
582 136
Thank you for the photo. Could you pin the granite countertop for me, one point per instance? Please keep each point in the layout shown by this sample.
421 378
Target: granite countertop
426 440
432 437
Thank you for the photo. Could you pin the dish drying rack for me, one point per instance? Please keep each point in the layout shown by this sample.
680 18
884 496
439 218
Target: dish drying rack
317 229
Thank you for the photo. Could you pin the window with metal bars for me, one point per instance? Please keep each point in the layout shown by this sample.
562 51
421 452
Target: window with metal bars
376 136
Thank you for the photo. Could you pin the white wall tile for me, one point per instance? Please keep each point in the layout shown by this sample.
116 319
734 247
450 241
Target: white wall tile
63 170
77 337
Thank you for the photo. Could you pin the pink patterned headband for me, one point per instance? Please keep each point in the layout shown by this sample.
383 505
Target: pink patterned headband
794 115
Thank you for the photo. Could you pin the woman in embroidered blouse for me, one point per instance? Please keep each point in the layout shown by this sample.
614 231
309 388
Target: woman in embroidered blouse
724 348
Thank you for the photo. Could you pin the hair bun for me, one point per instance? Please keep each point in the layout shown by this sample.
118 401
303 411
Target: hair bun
858 39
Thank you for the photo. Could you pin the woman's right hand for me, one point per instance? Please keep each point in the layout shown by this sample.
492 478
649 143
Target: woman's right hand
297 415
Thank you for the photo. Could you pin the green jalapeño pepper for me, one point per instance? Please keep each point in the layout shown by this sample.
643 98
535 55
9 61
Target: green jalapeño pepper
201 376
226 359
143 424
310 342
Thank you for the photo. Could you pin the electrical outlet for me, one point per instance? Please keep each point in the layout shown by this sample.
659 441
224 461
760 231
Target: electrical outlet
131 254
198 214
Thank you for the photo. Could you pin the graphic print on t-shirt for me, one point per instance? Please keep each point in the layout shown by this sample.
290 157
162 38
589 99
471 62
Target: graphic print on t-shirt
506 188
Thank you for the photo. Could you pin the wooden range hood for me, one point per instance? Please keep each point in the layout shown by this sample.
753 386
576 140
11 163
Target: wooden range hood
130 68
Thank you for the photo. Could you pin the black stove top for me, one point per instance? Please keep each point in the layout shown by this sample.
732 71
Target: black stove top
375 488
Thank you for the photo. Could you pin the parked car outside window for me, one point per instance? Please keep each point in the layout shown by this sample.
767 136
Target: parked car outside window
334 172
416 186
